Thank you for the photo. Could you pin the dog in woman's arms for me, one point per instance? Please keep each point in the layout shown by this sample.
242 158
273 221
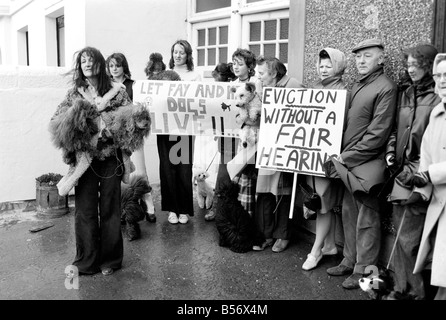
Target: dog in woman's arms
249 112
234 224
76 131
133 206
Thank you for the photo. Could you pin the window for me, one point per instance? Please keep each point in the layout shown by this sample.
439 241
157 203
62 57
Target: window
219 27
208 5
55 36
60 36
211 43
23 46
267 34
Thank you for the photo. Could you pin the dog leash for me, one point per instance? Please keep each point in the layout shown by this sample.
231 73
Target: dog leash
396 239
211 161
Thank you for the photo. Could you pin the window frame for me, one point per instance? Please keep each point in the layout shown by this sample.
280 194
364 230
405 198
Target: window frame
263 17
235 18
194 41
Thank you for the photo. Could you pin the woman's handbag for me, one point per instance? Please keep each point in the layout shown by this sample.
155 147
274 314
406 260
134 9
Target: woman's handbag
310 198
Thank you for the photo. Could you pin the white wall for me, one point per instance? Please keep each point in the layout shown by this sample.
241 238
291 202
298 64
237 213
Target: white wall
5 39
135 28
75 28
29 96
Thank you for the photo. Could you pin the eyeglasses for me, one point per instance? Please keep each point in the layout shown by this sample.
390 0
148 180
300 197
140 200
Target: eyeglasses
439 76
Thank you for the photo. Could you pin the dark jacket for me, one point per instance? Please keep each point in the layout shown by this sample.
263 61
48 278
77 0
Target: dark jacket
414 109
370 119
408 132
369 124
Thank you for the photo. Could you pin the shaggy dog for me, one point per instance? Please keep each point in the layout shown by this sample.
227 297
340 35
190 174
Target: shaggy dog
205 193
133 206
234 224
129 125
250 108
76 132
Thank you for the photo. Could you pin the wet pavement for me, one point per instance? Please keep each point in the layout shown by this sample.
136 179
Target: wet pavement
169 262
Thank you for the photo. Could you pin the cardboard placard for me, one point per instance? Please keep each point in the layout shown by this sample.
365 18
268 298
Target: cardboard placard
300 129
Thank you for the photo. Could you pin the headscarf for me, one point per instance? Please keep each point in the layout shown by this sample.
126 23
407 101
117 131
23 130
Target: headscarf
337 58
436 63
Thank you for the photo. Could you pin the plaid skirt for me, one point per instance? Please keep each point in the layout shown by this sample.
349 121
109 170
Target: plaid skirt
247 181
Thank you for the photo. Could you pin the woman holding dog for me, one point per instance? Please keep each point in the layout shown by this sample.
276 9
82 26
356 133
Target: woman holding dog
242 71
330 67
273 187
97 222
176 172
118 68
243 65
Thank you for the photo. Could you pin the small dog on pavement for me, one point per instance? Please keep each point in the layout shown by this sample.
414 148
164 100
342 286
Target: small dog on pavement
378 285
133 206
205 193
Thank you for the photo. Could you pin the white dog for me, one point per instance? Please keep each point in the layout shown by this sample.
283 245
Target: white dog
249 112
205 193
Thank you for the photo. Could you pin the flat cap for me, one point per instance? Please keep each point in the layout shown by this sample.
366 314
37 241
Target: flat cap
368 44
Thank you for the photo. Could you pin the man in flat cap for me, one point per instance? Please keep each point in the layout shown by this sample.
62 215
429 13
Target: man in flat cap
361 164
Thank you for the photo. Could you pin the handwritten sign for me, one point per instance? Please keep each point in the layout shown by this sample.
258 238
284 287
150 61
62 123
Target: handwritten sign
300 129
189 108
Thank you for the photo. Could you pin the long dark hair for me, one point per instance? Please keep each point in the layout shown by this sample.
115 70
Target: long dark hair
79 80
121 61
188 49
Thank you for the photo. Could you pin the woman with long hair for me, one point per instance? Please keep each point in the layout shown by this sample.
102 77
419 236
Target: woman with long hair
97 221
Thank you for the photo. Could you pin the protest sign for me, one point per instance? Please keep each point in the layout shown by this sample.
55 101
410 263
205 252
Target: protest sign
300 129
189 108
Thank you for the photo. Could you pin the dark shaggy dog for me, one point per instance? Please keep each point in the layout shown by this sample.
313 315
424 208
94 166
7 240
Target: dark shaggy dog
234 224
133 207
129 126
75 129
